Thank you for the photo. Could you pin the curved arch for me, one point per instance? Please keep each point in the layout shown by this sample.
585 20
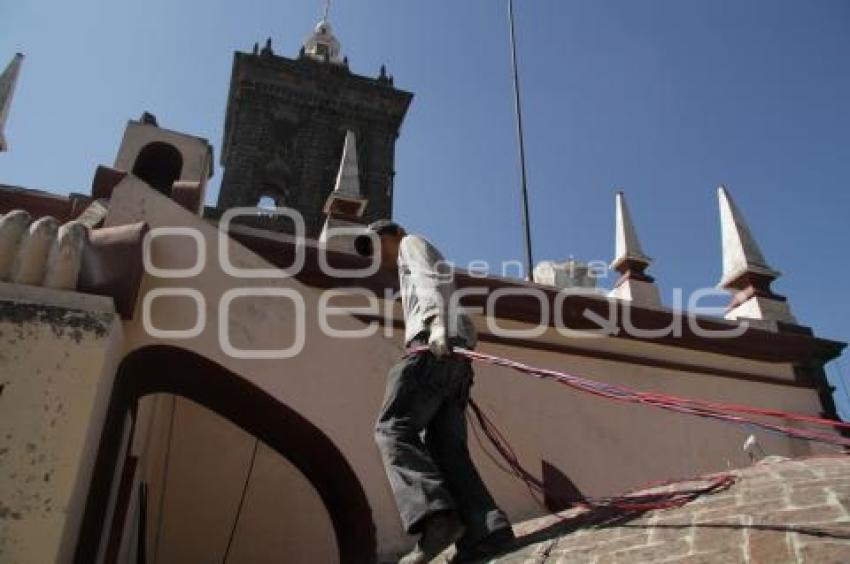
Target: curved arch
159 164
167 369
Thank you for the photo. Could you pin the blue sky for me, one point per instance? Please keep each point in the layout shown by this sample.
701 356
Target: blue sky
665 99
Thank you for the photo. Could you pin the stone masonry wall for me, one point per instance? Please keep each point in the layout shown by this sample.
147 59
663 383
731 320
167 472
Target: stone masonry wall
777 512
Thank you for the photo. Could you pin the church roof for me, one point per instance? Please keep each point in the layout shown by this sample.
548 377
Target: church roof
778 511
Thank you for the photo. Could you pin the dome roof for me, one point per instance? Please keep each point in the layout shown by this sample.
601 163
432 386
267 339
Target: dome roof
322 44
779 510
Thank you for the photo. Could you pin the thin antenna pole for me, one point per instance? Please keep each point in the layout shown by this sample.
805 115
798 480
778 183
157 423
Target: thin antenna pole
520 137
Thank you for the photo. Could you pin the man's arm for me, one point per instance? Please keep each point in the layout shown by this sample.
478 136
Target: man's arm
433 288
422 262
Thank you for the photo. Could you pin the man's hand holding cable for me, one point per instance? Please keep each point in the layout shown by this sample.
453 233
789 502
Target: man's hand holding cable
438 339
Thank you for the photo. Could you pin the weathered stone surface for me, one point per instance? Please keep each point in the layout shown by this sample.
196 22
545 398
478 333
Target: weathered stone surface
58 352
785 512
825 553
768 546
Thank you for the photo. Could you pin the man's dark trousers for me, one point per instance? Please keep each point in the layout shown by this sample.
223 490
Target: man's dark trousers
421 433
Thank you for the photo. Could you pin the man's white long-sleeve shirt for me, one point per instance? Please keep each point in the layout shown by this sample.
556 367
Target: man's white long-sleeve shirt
427 285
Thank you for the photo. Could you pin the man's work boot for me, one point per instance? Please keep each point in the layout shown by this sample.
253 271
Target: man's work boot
438 533
494 544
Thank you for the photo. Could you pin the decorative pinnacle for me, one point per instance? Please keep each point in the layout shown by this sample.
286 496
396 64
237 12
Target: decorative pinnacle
8 80
741 254
628 248
348 177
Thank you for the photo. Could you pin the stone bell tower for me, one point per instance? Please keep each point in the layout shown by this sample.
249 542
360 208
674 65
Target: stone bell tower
286 125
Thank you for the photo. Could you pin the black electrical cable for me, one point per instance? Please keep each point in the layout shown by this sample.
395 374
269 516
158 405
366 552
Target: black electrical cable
526 222
161 508
241 500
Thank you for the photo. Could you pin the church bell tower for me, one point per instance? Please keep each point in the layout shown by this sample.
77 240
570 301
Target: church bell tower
286 126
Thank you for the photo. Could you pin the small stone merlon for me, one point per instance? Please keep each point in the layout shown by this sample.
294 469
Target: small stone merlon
113 265
746 273
104 181
41 252
149 119
72 256
267 50
383 77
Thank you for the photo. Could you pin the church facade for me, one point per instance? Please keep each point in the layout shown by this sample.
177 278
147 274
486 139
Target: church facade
181 383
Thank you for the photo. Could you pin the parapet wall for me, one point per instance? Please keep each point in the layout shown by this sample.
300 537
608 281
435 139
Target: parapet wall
58 351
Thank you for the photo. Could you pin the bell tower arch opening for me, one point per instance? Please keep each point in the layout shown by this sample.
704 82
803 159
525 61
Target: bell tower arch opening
160 165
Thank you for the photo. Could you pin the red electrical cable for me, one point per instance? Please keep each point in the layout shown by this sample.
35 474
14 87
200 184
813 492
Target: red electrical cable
627 502
638 502
729 413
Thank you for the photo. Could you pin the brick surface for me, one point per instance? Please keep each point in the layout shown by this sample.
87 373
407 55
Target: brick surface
727 555
713 535
805 496
769 547
818 514
766 507
826 553
783 511
649 553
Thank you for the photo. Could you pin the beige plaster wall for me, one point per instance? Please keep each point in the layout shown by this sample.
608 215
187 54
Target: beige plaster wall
338 383
606 447
281 519
58 353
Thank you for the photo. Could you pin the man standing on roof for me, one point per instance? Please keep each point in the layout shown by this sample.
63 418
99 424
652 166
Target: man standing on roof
421 430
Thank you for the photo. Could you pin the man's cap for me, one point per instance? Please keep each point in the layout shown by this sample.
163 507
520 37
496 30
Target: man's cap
363 243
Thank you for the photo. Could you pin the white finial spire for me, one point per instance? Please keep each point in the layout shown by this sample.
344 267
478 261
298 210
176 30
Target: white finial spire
741 253
7 88
345 205
746 273
348 177
327 10
630 261
627 245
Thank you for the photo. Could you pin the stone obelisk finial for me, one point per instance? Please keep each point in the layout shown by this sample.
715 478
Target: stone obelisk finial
746 273
630 261
348 177
345 205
